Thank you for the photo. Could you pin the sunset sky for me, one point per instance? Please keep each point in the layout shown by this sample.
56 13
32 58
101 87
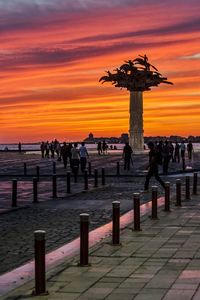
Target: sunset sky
53 53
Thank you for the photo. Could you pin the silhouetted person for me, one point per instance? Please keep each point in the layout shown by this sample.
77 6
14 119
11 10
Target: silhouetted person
182 147
127 151
52 149
190 150
171 151
104 147
166 157
75 158
83 156
47 149
20 147
42 148
152 167
177 152
159 150
64 154
99 148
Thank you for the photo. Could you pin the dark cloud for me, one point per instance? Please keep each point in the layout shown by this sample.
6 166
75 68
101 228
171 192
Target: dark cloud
49 57
191 25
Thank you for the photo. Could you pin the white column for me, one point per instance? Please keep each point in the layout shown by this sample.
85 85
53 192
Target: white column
136 139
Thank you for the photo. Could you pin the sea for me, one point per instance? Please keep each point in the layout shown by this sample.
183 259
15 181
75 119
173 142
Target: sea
92 147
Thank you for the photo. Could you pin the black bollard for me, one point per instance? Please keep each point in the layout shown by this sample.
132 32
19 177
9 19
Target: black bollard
195 180
178 192
85 180
54 167
167 196
118 168
25 169
14 193
40 276
187 187
136 211
103 176
54 185
68 182
35 190
95 178
89 168
84 239
116 223
38 172
154 215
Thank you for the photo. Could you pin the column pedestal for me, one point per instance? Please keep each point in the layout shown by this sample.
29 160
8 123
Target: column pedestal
136 139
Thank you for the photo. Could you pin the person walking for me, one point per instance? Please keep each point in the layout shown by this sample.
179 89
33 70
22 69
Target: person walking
75 159
166 157
177 152
127 151
190 150
64 154
99 148
152 167
83 156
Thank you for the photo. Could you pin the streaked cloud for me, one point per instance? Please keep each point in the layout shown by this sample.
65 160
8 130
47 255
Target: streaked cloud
53 53
193 56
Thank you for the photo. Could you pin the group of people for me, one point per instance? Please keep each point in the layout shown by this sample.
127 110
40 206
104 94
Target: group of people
68 153
161 153
102 148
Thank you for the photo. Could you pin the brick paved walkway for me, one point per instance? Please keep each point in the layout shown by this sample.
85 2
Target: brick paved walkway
160 262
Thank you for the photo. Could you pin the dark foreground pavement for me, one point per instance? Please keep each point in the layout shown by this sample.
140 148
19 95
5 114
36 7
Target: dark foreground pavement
160 262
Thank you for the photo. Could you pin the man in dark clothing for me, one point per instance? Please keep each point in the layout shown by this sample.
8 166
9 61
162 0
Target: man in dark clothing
127 151
177 152
166 157
152 167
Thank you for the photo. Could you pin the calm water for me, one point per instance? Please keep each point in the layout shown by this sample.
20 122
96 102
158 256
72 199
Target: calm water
89 146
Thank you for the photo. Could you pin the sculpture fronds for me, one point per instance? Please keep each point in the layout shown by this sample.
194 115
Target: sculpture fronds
135 75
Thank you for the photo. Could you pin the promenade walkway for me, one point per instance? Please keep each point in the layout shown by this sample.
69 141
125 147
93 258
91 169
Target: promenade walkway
160 262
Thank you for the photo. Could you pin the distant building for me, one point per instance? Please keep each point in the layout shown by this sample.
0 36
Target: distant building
90 138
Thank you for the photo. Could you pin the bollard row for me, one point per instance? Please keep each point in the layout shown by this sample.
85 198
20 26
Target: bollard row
40 280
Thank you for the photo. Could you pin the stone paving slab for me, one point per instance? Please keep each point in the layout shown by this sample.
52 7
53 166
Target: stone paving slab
169 271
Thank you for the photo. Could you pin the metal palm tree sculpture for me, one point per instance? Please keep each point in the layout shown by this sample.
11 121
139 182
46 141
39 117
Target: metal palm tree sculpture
136 76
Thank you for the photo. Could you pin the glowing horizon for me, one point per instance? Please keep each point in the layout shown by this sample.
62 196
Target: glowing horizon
54 52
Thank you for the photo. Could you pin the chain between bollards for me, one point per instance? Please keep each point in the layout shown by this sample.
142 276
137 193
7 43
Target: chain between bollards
68 182
136 211
54 186
178 192
85 180
40 276
14 193
84 240
116 223
167 196
187 187
95 178
35 190
195 180
154 214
